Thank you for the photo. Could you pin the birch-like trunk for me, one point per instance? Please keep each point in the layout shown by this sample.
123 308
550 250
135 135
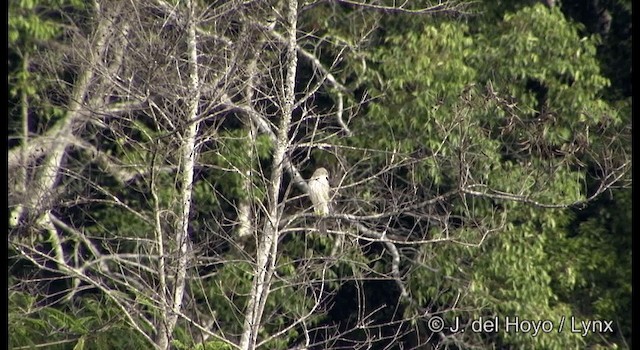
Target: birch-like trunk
245 206
21 173
37 195
47 177
186 169
267 247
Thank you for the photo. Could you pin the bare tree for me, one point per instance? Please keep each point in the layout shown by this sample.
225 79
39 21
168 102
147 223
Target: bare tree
201 127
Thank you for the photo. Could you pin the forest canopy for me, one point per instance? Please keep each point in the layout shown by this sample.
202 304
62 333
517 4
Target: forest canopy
161 193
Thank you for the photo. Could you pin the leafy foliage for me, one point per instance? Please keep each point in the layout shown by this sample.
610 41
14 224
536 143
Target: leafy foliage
536 59
474 146
93 324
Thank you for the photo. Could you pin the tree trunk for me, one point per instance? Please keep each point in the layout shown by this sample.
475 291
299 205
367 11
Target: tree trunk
268 244
186 170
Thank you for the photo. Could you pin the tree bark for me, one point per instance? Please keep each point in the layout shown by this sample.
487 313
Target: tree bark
268 247
187 165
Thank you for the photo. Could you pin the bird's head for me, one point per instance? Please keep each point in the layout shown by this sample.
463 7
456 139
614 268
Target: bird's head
320 173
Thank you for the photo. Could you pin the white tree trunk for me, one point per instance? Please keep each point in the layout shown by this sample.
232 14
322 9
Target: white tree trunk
61 133
268 247
245 211
186 170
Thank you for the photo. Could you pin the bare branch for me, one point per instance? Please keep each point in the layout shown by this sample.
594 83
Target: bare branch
448 6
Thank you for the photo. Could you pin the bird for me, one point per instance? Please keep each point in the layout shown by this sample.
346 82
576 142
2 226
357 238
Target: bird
319 189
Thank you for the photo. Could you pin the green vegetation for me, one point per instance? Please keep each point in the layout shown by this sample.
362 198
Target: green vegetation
480 155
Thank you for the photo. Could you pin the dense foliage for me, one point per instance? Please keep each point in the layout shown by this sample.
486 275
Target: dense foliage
480 154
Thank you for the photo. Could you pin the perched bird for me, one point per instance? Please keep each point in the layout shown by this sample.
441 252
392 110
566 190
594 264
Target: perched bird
319 191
